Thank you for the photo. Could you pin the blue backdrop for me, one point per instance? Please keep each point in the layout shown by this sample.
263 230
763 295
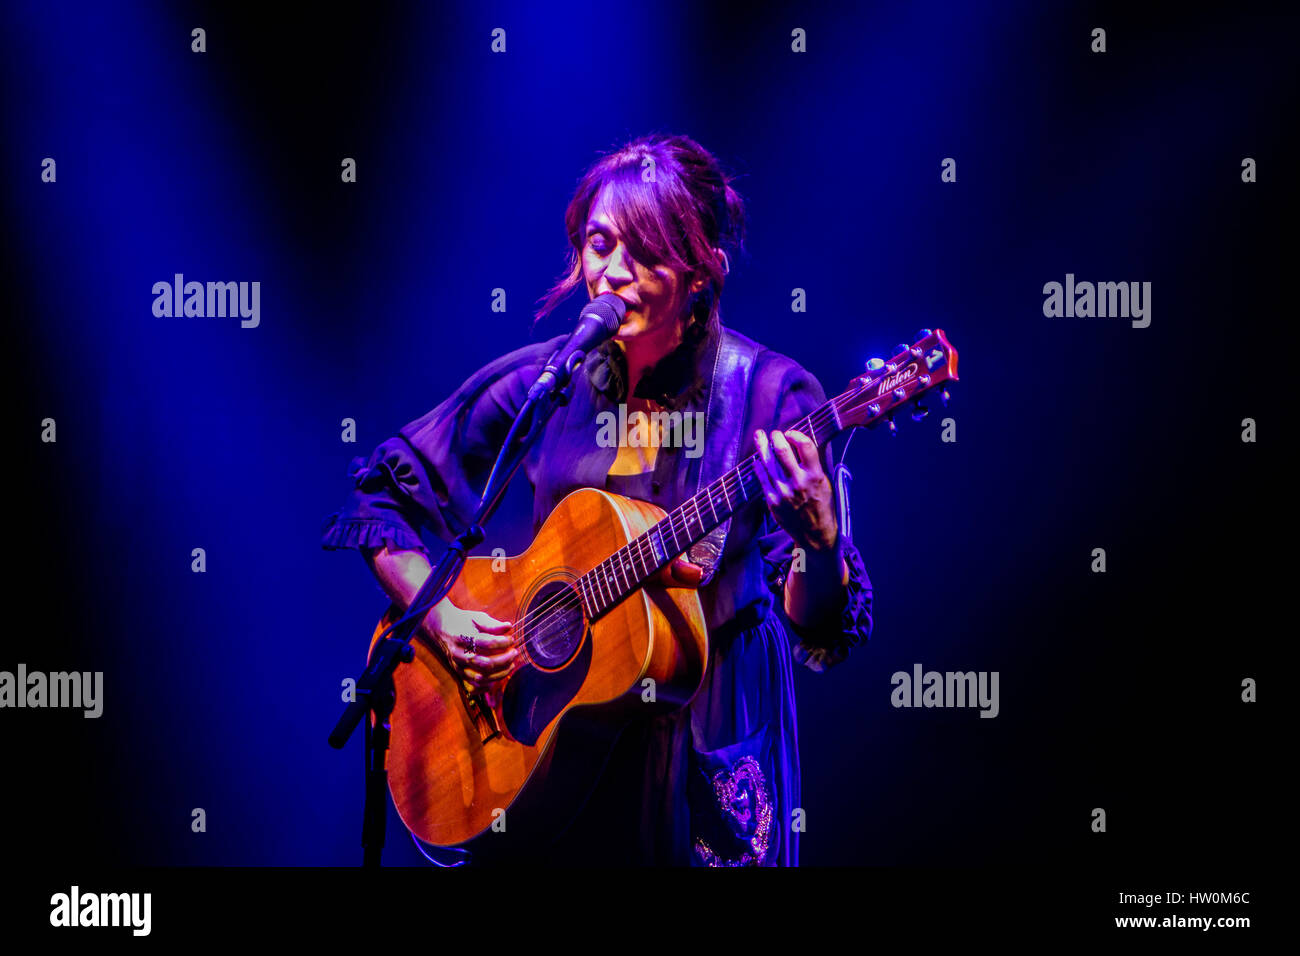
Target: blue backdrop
1118 690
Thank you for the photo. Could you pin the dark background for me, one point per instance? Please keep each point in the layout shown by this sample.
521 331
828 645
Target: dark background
1119 691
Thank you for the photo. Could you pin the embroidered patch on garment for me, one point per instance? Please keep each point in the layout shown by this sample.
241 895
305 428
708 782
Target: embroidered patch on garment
745 800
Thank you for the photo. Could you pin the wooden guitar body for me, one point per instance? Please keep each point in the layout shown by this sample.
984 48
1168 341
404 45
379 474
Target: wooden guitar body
455 766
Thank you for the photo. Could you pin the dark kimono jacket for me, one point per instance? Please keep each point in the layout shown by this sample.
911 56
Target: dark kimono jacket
717 783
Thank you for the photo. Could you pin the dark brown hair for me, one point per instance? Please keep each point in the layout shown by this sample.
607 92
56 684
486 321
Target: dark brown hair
677 217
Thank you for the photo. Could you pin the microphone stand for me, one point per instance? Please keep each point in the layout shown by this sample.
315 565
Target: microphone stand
374 688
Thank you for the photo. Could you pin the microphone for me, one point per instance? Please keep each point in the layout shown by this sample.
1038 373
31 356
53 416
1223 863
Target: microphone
597 323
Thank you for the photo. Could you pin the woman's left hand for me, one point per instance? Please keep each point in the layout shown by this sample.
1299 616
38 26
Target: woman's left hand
796 488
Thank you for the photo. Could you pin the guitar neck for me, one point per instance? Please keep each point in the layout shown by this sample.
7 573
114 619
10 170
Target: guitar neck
630 566
872 398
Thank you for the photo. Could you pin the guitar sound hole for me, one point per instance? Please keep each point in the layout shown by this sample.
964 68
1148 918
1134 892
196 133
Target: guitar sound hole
554 625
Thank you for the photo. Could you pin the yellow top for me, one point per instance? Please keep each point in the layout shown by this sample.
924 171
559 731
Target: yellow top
639 444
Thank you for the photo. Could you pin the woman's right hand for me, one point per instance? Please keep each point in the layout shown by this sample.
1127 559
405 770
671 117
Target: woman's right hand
480 648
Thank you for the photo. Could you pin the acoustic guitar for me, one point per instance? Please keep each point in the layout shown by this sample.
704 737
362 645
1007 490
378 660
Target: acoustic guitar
601 639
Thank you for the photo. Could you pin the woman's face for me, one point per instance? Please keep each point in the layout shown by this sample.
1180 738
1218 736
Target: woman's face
655 295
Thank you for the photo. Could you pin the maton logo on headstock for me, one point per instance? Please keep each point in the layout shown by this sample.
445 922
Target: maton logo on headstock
896 379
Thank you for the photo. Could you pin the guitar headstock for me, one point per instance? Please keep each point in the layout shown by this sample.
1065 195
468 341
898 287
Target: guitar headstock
889 384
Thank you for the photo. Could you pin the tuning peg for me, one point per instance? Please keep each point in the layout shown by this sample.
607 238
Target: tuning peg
924 334
943 397
919 411
902 347
893 429
875 364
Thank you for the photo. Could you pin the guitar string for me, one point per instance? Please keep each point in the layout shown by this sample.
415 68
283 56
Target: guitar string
641 543
570 599
534 619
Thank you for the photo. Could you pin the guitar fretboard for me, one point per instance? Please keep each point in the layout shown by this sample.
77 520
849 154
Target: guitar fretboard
630 566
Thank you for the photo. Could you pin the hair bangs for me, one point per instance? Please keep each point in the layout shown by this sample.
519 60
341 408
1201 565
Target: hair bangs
643 219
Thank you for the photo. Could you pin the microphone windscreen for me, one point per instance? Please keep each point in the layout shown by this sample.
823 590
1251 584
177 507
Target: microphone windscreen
608 309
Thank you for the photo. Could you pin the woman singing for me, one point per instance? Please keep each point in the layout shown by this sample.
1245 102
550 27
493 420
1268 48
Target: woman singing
716 783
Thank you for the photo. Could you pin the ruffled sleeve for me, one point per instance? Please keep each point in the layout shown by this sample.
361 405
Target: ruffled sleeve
431 473
828 640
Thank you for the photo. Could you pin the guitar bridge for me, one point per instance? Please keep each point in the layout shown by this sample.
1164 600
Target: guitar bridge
481 716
